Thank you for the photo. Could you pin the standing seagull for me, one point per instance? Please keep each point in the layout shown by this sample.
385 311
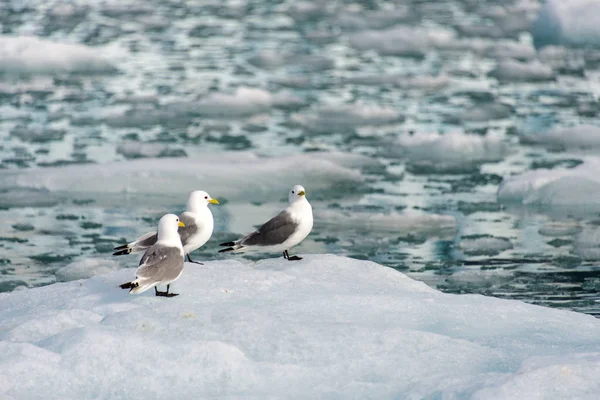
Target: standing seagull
198 228
162 263
282 232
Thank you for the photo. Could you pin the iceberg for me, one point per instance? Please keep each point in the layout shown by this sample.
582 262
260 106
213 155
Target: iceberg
323 327
568 23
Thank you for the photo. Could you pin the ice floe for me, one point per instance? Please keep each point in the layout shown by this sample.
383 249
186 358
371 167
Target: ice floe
572 23
508 70
29 55
226 174
575 137
345 118
86 268
576 188
280 329
451 152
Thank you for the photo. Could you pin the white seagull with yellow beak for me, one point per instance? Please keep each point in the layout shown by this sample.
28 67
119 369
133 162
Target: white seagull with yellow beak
282 232
198 228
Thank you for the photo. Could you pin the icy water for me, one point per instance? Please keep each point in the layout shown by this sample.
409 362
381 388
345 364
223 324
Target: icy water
401 120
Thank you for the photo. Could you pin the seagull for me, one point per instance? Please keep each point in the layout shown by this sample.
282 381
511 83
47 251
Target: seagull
162 263
198 228
282 232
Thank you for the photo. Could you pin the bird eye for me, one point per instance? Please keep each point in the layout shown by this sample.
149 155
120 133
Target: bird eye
292 192
206 197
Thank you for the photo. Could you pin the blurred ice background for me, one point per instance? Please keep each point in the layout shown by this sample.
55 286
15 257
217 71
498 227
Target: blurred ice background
456 141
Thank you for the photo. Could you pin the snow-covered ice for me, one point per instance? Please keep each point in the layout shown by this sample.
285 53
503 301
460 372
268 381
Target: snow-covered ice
571 23
86 268
245 101
575 137
484 245
401 224
577 187
324 327
343 118
516 71
28 55
451 152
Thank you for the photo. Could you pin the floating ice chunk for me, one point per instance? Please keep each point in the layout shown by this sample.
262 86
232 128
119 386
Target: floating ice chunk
516 71
374 19
423 82
587 243
512 50
245 101
578 187
570 23
344 118
453 152
484 245
407 82
401 41
404 224
225 173
28 55
288 101
479 278
304 62
304 10
276 327
576 137
485 112
37 133
560 228
132 149
86 268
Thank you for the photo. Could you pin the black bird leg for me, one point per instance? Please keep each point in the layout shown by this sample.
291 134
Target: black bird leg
292 258
165 294
190 260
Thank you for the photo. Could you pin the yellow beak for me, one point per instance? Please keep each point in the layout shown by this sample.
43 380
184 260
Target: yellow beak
180 223
302 193
213 201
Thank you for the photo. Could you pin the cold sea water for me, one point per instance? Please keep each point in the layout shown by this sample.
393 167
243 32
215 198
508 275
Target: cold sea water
432 137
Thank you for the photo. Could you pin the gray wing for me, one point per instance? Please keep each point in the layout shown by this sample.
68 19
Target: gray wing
160 263
146 240
276 231
188 230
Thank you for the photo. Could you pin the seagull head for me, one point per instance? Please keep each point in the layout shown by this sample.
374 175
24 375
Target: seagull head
168 226
297 193
199 199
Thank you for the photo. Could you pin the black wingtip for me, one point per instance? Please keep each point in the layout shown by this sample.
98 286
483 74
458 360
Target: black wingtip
226 250
228 244
120 247
122 252
128 285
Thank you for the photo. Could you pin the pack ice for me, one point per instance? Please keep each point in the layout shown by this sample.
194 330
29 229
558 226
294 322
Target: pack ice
324 327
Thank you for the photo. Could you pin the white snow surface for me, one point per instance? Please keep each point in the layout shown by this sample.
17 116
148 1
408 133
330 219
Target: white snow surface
28 55
573 23
579 186
326 327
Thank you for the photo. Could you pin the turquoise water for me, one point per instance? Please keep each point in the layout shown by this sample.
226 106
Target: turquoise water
246 98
